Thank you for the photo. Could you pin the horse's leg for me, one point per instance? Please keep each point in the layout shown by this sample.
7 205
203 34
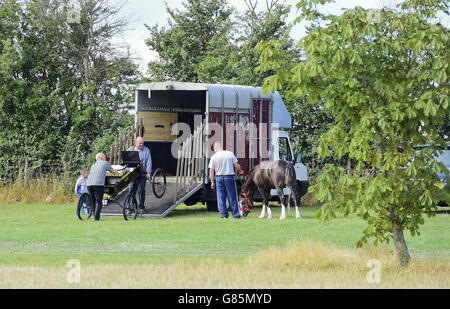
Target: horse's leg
265 205
283 208
266 195
289 203
296 202
283 212
263 211
269 212
297 211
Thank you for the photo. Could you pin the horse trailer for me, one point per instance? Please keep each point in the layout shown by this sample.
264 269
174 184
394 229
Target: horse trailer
247 122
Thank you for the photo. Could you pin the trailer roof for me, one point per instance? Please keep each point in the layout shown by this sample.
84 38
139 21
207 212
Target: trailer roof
228 96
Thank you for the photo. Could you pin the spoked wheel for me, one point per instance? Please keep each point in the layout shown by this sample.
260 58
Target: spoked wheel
84 205
159 183
130 207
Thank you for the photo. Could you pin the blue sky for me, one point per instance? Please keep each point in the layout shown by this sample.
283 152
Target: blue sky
153 12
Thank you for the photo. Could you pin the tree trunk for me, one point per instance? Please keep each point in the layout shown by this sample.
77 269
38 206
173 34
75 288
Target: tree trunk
399 241
401 246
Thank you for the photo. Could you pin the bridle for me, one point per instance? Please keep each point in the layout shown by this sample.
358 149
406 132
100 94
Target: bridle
248 208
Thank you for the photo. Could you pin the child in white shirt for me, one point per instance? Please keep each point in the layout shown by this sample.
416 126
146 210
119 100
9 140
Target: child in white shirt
80 186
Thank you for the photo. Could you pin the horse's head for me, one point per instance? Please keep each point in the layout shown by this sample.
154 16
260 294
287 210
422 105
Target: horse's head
245 204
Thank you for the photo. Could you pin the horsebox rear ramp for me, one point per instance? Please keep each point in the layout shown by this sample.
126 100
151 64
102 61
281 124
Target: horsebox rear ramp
154 207
189 179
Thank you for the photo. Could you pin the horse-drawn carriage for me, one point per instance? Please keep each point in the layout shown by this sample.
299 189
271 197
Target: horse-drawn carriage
128 171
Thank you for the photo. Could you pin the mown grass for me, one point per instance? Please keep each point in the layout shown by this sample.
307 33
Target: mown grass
196 249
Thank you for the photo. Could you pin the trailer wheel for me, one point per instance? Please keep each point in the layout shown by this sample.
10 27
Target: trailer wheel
302 187
130 207
211 206
159 183
191 201
84 209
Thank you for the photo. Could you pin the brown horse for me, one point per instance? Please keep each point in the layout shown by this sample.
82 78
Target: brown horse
264 177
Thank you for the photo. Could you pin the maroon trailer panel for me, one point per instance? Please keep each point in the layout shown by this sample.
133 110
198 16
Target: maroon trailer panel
264 128
215 118
243 139
261 121
256 137
229 131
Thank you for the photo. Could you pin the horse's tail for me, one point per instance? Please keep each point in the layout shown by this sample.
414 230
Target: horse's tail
291 182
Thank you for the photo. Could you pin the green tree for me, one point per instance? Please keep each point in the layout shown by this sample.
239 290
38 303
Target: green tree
208 41
10 16
310 121
384 76
234 61
63 83
93 77
28 119
201 26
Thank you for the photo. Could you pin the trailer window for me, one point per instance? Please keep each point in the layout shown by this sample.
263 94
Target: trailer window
285 151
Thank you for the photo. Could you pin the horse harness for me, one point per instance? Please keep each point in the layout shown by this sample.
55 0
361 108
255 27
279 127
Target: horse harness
248 208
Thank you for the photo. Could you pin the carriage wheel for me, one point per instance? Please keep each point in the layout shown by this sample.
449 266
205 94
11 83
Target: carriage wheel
84 209
159 183
130 207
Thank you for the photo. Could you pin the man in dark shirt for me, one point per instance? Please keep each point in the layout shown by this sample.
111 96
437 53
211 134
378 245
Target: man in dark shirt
146 162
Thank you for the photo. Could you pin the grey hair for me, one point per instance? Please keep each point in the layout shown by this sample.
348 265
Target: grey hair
100 156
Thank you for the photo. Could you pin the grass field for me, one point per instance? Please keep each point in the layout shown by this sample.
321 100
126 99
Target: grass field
196 249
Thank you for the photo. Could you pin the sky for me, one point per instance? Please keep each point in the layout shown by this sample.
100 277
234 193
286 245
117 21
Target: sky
152 12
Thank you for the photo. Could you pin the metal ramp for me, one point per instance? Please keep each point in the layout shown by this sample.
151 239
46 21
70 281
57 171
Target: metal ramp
154 207
190 178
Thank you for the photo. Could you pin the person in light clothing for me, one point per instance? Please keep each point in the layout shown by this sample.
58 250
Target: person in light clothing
80 186
221 173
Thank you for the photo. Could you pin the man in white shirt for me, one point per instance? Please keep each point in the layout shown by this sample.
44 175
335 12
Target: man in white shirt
221 165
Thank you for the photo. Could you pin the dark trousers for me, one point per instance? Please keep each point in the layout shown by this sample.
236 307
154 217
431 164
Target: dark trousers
96 193
226 189
139 186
